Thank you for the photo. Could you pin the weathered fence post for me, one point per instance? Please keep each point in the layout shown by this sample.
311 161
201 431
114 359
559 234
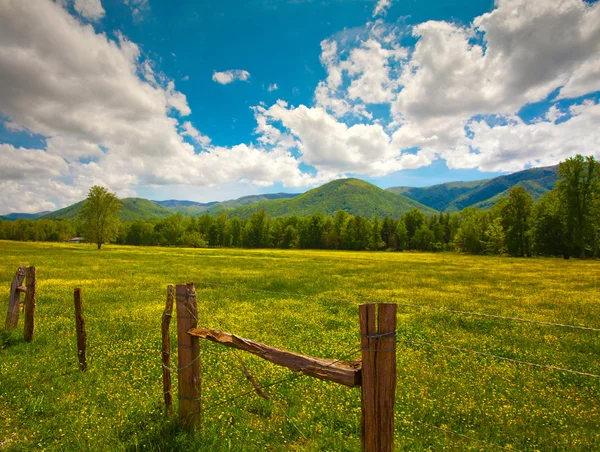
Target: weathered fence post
368 408
29 304
188 352
12 316
378 342
385 370
80 329
166 350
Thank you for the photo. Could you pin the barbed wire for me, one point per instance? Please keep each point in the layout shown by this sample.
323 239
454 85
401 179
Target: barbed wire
355 348
452 432
503 358
411 305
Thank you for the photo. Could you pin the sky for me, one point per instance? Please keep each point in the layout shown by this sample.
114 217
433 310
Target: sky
213 100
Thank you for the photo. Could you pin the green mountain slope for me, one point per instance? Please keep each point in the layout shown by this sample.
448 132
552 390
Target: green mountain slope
23 216
354 196
454 196
132 209
198 208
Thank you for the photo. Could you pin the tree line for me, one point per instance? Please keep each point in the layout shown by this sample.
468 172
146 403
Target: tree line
563 222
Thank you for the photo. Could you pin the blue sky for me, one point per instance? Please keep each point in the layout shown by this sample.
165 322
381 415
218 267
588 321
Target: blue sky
214 100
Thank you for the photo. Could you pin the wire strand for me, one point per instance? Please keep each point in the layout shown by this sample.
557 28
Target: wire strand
447 430
503 358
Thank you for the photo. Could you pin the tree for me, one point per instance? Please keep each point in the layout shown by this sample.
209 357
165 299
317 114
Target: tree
516 215
99 214
549 230
413 221
577 186
496 238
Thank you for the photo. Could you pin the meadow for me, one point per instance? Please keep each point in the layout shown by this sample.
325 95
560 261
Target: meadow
46 403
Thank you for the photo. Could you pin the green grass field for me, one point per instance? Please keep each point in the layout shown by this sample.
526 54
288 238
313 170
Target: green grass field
46 403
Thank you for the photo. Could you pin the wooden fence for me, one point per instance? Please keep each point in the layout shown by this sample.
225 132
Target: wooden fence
375 374
26 274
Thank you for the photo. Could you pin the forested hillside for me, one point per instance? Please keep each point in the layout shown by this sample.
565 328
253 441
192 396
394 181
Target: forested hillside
455 196
354 196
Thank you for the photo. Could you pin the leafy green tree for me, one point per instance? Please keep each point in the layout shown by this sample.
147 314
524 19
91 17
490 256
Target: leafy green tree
495 237
470 236
401 236
290 237
423 239
549 228
413 221
100 215
516 214
578 185
235 228
375 241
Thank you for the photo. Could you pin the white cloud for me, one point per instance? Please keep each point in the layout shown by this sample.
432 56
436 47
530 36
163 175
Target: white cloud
332 147
111 117
513 146
90 9
230 76
381 7
189 130
104 124
273 87
529 49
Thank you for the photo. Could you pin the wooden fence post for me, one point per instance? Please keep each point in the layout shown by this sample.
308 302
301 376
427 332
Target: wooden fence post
80 329
385 371
166 350
378 391
188 353
29 304
368 406
12 316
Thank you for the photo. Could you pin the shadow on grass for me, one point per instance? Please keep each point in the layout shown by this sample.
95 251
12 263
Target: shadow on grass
8 338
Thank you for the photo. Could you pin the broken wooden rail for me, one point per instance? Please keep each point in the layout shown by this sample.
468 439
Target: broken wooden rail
347 374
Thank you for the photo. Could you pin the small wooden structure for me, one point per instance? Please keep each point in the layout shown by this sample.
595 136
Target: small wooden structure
80 330
26 274
375 373
14 299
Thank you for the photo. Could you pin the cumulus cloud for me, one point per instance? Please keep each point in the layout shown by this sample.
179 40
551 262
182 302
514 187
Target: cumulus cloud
107 117
90 9
111 117
273 87
331 146
514 146
189 130
519 53
230 76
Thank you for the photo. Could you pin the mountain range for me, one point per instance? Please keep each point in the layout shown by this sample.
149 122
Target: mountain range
354 196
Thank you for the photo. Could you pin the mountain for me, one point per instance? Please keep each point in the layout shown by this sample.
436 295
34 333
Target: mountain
455 196
144 209
198 208
132 209
355 196
23 216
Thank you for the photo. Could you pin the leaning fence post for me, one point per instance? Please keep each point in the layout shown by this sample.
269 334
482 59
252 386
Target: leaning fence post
80 329
385 371
188 353
166 350
12 316
368 403
29 304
